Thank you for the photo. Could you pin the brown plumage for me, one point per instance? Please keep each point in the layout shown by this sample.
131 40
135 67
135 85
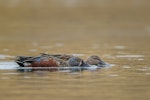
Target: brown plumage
95 60
47 61
64 57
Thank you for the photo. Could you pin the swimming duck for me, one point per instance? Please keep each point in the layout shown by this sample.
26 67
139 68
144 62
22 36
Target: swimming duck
95 60
59 60
40 61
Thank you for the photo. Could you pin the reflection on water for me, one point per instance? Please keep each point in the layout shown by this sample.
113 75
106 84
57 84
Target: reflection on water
2 56
128 79
130 56
118 32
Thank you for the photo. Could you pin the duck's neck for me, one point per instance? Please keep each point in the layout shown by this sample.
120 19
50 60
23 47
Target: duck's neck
84 64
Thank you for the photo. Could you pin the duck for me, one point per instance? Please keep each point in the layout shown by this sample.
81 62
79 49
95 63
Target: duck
96 60
51 62
44 60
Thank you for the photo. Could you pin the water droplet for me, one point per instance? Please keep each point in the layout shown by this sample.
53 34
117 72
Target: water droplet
126 66
113 75
27 77
5 50
5 78
119 47
59 44
34 43
78 55
147 73
142 69
10 73
33 50
140 59
129 56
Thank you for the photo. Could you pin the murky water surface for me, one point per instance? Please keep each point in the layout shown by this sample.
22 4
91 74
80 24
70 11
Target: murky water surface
118 32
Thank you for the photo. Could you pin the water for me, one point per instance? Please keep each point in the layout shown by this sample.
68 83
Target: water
118 32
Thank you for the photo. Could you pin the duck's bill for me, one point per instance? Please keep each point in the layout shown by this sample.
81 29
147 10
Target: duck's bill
103 64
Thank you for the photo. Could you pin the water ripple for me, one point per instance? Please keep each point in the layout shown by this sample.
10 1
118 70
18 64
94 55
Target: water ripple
130 56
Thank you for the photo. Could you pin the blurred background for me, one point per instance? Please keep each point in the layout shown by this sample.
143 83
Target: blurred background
116 30
72 24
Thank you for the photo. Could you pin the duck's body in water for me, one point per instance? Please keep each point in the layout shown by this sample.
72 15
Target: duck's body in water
44 60
51 62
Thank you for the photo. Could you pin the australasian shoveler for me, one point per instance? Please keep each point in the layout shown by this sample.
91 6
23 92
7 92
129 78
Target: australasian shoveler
51 62
44 60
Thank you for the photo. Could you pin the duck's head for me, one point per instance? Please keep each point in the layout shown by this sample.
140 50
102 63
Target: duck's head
95 60
76 61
